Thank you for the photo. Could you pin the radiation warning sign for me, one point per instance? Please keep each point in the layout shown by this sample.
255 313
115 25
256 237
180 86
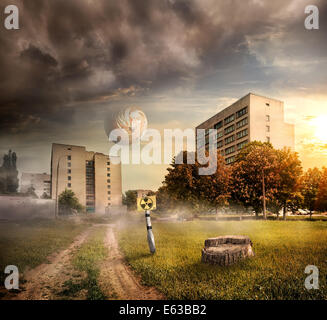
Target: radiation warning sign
146 203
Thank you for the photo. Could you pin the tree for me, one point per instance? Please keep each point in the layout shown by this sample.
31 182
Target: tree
9 173
289 170
69 202
295 202
321 204
309 188
255 176
184 188
263 175
215 189
129 199
164 201
179 184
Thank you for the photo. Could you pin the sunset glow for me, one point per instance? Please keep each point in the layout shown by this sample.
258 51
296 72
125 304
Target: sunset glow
320 124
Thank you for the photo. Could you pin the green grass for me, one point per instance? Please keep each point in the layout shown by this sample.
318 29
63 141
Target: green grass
86 260
282 251
307 218
27 244
253 217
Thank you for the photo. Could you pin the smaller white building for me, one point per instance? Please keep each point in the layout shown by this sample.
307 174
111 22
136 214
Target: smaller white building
41 182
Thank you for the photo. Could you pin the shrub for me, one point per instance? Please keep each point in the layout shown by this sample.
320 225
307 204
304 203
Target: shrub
69 202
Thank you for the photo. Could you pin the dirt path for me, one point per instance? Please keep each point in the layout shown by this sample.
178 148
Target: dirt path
117 281
44 279
116 278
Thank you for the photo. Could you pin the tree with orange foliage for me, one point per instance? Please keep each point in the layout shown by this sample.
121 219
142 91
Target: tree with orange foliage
255 176
289 171
263 175
321 204
310 182
215 190
186 188
179 184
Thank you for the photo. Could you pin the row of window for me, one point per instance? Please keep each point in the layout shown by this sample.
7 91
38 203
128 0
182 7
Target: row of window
90 185
220 134
242 123
69 171
230 118
239 124
229 129
218 125
88 163
241 144
229 150
229 139
241 112
241 134
230 160
233 148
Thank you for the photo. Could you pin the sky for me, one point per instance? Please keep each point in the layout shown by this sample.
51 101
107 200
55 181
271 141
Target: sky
72 64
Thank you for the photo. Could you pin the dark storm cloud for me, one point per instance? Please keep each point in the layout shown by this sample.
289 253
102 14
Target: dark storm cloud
34 55
70 54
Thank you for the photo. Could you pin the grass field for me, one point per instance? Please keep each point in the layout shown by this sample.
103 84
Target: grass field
27 244
86 260
282 251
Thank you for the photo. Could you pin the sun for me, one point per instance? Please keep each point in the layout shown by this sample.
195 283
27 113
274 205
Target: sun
320 124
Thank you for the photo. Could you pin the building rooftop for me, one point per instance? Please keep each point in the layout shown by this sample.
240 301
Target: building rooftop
230 106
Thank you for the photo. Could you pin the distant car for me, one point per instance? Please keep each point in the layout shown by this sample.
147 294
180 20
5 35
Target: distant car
303 212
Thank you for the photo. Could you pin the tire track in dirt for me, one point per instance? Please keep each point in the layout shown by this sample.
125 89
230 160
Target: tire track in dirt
117 279
42 280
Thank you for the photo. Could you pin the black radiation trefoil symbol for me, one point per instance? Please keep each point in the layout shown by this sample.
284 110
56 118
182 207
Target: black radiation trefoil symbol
146 203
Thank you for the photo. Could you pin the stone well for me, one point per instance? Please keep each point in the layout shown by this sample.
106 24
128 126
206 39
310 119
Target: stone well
226 250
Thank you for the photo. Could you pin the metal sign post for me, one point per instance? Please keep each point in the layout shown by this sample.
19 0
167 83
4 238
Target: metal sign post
147 204
151 243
